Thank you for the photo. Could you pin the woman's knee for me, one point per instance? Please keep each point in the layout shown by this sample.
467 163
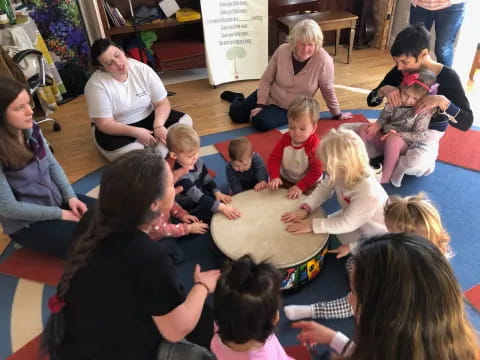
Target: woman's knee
186 119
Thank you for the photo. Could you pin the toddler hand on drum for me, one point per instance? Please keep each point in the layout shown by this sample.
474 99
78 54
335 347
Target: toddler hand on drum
359 193
246 169
247 300
292 162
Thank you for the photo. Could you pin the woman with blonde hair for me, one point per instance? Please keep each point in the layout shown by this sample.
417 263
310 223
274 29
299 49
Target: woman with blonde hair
358 191
407 303
298 68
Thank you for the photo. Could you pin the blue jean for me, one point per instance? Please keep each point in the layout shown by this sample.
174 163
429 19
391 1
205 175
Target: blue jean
53 237
447 23
269 118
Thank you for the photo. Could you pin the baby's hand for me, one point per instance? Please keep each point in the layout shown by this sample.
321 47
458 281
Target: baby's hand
197 228
226 199
294 192
188 219
274 184
372 128
294 216
229 211
260 186
302 227
341 251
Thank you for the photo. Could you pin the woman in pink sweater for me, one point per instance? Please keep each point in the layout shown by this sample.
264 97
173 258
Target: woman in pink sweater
298 68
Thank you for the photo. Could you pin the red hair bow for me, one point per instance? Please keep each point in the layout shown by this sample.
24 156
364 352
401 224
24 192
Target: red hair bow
55 304
412 78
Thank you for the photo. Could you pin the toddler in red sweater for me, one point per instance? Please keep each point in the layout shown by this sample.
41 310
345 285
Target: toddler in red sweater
292 162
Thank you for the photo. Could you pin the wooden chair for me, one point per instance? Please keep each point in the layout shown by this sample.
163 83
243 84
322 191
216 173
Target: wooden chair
475 63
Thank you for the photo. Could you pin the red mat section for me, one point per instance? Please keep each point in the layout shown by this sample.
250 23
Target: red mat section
29 352
324 125
298 352
31 265
262 144
473 296
461 148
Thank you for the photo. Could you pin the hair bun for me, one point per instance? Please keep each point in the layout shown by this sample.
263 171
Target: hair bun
242 272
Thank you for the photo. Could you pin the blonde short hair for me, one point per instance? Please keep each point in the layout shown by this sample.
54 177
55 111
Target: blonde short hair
239 147
416 214
182 138
344 155
306 30
302 105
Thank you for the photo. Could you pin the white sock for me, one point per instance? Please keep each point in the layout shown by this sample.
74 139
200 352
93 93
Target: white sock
297 312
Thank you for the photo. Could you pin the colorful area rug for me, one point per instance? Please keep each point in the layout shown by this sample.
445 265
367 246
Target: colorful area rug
473 296
23 310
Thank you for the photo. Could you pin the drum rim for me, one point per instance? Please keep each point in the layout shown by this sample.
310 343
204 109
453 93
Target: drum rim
298 262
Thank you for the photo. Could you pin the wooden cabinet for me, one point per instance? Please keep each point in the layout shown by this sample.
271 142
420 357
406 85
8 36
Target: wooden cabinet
167 30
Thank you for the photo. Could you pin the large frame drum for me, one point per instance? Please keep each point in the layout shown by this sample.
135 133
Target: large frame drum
260 233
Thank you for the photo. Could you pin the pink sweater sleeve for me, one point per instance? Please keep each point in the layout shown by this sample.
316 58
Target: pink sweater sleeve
267 79
325 84
164 228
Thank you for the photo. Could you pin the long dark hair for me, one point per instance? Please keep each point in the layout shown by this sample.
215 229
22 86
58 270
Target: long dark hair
247 299
128 188
98 47
409 303
12 153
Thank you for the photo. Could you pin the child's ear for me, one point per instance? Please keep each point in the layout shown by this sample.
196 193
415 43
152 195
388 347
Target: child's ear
276 319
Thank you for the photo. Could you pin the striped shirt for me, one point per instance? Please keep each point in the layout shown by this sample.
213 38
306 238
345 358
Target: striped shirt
433 5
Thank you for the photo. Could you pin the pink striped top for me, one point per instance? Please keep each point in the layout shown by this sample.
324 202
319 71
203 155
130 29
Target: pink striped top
435 4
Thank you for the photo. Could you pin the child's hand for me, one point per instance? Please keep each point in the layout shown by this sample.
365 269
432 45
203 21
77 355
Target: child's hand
294 216
209 278
341 251
389 133
372 128
313 333
294 192
229 211
197 228
274 184
302 227
260 186
188 219
226 199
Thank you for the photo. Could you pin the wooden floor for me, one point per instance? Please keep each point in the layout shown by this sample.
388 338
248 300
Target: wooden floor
75 151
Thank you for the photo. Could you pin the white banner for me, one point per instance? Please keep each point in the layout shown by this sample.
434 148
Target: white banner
236 39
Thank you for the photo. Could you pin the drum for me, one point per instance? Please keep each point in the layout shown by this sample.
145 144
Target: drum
260 233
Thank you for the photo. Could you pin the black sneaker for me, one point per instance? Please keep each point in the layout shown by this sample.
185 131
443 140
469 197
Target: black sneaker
230 96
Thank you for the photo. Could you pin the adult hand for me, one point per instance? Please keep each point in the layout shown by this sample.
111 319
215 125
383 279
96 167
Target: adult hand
294 216
197 228
341 251
189 219
226 199
294 192
372 128
389 133
274 184
160 133
255 112
302 227
312 333
68 215
431 102
260 186
392 94
145 137
77 206
209 278
229 211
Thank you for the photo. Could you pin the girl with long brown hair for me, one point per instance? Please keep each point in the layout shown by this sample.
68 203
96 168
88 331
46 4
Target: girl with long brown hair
407 304
38 207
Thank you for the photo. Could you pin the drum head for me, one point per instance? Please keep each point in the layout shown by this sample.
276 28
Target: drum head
260 232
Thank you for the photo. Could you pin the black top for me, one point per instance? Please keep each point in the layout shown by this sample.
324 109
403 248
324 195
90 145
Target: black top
450 87
298 65
111 301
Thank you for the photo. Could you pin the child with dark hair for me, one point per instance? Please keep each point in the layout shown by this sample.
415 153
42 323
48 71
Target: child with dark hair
246 169
400 128
247 299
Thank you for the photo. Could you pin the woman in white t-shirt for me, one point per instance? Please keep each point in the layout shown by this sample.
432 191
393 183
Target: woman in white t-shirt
127 103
